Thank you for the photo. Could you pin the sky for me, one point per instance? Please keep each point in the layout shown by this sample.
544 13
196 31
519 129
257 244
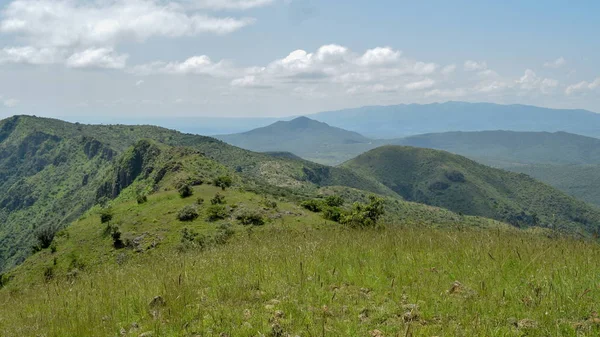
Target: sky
146 59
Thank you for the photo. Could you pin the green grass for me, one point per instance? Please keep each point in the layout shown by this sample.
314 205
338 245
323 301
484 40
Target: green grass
298 280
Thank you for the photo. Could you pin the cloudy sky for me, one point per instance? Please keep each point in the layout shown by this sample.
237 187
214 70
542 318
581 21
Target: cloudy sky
136 59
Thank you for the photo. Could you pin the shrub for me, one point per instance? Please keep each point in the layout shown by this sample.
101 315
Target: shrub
44 238
364 215
53 248
188 213
200 201
334 201
116 236
248 218
223 182
218 199
224 233
313 205
142 199
106 215
270 204
185 191
191 238
332 213
217 212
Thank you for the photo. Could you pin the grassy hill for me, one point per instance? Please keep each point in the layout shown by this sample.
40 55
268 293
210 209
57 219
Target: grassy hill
51 172
446 180
307 138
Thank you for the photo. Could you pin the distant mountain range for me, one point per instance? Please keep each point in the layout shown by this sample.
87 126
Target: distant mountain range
412 119
564 160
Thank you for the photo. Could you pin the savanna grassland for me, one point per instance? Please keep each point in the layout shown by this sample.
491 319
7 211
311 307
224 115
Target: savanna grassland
307 281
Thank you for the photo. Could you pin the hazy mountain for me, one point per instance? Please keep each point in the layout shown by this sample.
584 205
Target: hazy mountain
307 138
454 182
412 119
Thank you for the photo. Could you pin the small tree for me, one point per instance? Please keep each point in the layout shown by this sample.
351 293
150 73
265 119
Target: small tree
223 182
334 201
248 218
218 199
106 215
217 212
142 198
362 215
185 191
313 205
188 213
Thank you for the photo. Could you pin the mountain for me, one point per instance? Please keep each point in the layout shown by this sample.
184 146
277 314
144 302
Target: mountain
305 137
52 171
454 182
507 148
406 120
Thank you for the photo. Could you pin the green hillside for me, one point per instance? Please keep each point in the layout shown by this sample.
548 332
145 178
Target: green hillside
442 179
307 138
51 172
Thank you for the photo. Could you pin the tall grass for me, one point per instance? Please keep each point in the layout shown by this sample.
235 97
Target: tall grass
297 282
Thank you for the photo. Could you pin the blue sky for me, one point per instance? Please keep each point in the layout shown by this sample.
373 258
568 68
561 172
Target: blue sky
155 58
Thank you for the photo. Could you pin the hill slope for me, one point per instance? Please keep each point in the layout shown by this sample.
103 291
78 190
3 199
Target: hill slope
307 138
406 120
442 179
51 173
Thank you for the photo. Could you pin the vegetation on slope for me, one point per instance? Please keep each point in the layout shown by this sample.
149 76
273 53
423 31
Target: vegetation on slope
52 171
445 180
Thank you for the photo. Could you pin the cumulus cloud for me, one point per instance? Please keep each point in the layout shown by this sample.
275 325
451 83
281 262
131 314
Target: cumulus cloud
228 4
420 85
583 86
559 62
475 66
379 56
530 81
30 55
249 82
198 65
76 23
97 58
447 93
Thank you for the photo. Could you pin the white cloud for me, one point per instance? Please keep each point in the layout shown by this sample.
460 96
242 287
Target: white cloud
97 58
139 83
228 4
530 81
379 56
199 65
559 62
475 66
30 55
77 23
249 82
420 85
447 93
449 69
490 87
583 86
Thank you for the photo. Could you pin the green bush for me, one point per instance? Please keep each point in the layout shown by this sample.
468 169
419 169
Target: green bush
313 205
217 212
142 199
200 201
191 238
106 215
44 238
362 216
249 218
218 199
116 236
185 191
332 213
49 273
224 233
223 182
334 201
188 213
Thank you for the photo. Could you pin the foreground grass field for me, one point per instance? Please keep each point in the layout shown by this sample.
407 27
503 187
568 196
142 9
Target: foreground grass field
291 281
